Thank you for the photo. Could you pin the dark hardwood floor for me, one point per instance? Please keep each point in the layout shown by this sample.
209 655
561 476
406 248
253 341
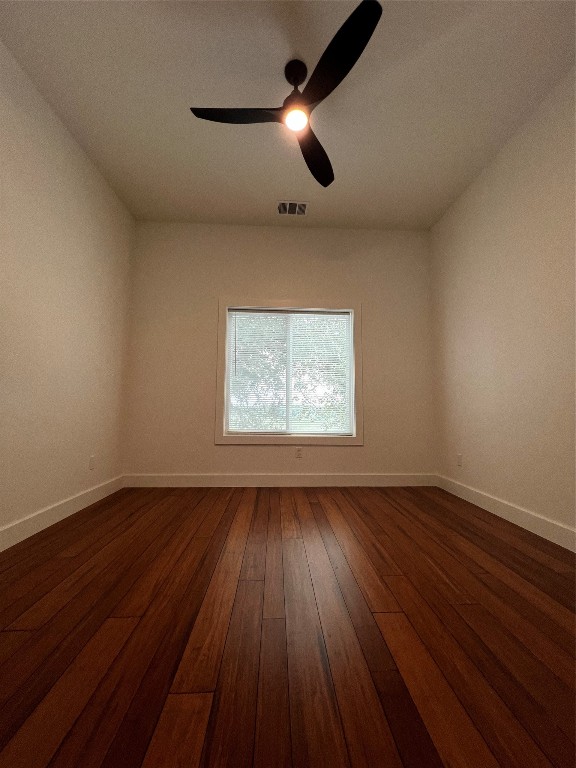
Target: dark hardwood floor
286 627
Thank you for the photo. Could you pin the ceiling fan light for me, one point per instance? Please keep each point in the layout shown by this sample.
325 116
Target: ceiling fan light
296 119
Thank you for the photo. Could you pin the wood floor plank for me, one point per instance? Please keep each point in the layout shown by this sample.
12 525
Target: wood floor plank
443 567
557 612
198 670
377 595
194 574
546 552
558 661
407 504
411 550
508 740
561 586
34 744
50 542
211 510
97 736
18 596
553 631
290 527
535 720
179 735
95 537
454 735
518 620
273 746
42 574
554 697
418 567
274 576
375 650
380 555
26 677
365 726
139 597
229 739
10 642
413 741
18 555
33 579
254 564
41 611
546 649
316 729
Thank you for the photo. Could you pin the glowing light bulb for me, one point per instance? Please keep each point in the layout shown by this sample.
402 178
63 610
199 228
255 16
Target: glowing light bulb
296 119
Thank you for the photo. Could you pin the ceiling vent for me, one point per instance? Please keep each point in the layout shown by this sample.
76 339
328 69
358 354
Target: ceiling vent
290 208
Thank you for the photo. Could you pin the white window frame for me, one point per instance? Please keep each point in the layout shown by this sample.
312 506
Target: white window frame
221 437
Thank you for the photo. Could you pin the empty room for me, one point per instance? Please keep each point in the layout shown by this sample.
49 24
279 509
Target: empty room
287 384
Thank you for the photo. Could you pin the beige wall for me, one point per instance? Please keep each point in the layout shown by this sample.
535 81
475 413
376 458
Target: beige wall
180 272
64 250
503 267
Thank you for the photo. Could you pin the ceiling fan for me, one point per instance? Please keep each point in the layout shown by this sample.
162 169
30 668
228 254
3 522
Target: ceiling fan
342 53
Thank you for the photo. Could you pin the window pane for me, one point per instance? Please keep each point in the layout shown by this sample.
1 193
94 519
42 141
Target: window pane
290 372
320 374
256 372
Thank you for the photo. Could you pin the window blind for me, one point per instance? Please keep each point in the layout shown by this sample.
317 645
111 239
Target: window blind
290 372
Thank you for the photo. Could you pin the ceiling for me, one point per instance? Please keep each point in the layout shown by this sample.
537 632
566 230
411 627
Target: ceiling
439 89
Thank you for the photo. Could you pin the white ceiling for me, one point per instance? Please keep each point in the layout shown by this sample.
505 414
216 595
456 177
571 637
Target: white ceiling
437 92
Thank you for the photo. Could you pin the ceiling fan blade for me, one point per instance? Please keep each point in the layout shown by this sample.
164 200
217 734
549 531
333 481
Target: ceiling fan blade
315 156
343 52
240 115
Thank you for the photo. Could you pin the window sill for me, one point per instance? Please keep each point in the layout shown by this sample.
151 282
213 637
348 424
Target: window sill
268 439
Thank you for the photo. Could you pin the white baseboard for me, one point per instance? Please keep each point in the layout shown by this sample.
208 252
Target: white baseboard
19 530
549 529
274 480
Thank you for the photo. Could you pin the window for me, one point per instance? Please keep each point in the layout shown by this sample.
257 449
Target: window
289 375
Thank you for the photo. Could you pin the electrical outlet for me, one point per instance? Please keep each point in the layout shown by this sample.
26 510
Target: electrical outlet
459 459
91 462
298 453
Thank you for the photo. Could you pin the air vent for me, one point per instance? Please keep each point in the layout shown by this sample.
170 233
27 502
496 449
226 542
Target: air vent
290 208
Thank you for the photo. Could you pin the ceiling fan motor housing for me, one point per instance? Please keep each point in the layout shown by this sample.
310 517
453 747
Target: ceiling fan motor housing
294 101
